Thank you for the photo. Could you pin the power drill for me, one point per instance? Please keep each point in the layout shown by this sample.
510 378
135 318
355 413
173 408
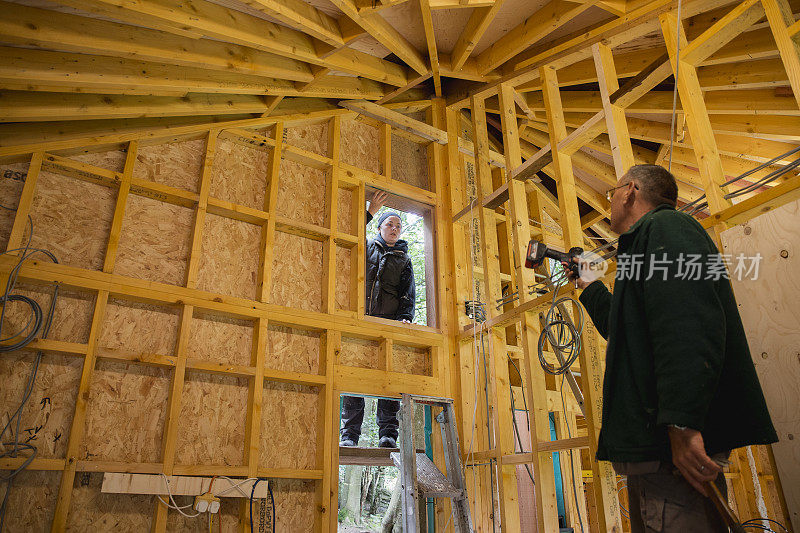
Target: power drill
537 252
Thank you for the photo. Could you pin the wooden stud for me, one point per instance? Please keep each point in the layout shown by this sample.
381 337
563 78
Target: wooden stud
331 213
268 230
780 17
119 209
25 202
200 213
430 39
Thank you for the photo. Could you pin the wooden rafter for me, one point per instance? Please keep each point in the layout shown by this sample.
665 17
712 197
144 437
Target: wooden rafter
430 40
476 26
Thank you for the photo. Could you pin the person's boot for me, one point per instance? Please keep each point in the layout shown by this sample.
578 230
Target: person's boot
387 442
348 441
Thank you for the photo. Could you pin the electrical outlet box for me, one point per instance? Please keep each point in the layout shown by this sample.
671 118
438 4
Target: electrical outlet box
206 502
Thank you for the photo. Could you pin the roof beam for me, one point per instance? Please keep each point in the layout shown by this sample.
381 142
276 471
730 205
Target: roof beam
781 18
302 16
552 16
385 34
397 120
212 20
430 40
476 26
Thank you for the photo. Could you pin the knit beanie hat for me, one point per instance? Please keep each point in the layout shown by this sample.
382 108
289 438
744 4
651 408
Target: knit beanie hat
385 216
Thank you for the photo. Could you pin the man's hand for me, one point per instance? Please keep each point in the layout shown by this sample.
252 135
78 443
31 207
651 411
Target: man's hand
377 201
689 455
572 276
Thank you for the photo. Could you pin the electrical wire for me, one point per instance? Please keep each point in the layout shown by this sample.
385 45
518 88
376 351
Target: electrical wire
174 504
514 417
35 325
559 330
571 460
753 523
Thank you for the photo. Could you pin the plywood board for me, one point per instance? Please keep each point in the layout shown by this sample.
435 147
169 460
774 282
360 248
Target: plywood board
292 350
175 164
220 339
139 328
212 420
343 288
72 219
311 137
32 501
411 360
91 510
360 145
410 162
301 193
229 257
72 318
126 411
289 419
297 272
770 314
362 353
240 174
12 179
295 505
112 160
47 416
228 510
344 210
155 241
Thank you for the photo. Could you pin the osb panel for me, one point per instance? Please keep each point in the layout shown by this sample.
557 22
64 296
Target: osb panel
229 257
295 505
344 208
301 193
212 421
410 162
139 328
12 179
292 350
113 160
32 502
240 174
72 219
220 339
360 145
72 318
48 413
155 241
228 510
343 277
297 272
411 360
289 426
362 353
311 137
126 411
92 510
178 164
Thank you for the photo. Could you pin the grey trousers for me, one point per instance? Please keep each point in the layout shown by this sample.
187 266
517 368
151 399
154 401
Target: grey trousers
663 501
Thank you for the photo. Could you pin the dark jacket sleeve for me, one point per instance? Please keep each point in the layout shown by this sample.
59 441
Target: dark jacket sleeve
408 295
596 298
685 321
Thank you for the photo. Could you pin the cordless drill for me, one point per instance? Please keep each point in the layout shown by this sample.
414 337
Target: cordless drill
537 252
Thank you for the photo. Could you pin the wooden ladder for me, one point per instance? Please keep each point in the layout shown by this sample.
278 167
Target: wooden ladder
420 477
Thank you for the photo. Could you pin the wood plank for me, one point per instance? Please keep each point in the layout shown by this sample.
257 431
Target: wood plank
397 120
583 134
119 209
430 40
478 23
121 483
722 32
617 123
21 223
780 17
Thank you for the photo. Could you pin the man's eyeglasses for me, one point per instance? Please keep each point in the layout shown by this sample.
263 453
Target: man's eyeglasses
610 192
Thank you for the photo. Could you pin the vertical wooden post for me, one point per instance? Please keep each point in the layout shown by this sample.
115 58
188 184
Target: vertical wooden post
119 209
327 458
331 212
780 16
503 441
255 402
268 230
78 425
535 386
25 202
200 213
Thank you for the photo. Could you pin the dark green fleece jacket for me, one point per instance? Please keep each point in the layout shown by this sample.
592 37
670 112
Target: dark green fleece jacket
677 352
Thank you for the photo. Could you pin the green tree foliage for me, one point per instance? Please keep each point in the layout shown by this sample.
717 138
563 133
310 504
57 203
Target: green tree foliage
414 234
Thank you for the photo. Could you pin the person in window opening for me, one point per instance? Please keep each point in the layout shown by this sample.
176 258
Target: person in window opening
390 293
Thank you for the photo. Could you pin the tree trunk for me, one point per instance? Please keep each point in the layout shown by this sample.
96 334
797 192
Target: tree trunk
353 505
390 516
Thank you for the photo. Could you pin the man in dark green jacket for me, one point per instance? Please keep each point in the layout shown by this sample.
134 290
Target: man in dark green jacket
680 387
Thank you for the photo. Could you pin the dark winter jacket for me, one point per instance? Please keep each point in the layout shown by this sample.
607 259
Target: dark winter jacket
390 288
677 352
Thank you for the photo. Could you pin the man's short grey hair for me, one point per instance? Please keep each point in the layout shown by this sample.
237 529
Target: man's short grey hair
656 183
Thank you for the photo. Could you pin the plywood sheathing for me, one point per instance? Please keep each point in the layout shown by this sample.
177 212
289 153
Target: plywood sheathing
113 160
63 223
139 328
410 162
73 312
311 137
292 350
175 164
34 497
126 411
289 426
220 339
155 241
229 258
240 174
362 353
344 208
343 289
360 145
212 421
411 360
12 179
48 414
297 272
301 193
